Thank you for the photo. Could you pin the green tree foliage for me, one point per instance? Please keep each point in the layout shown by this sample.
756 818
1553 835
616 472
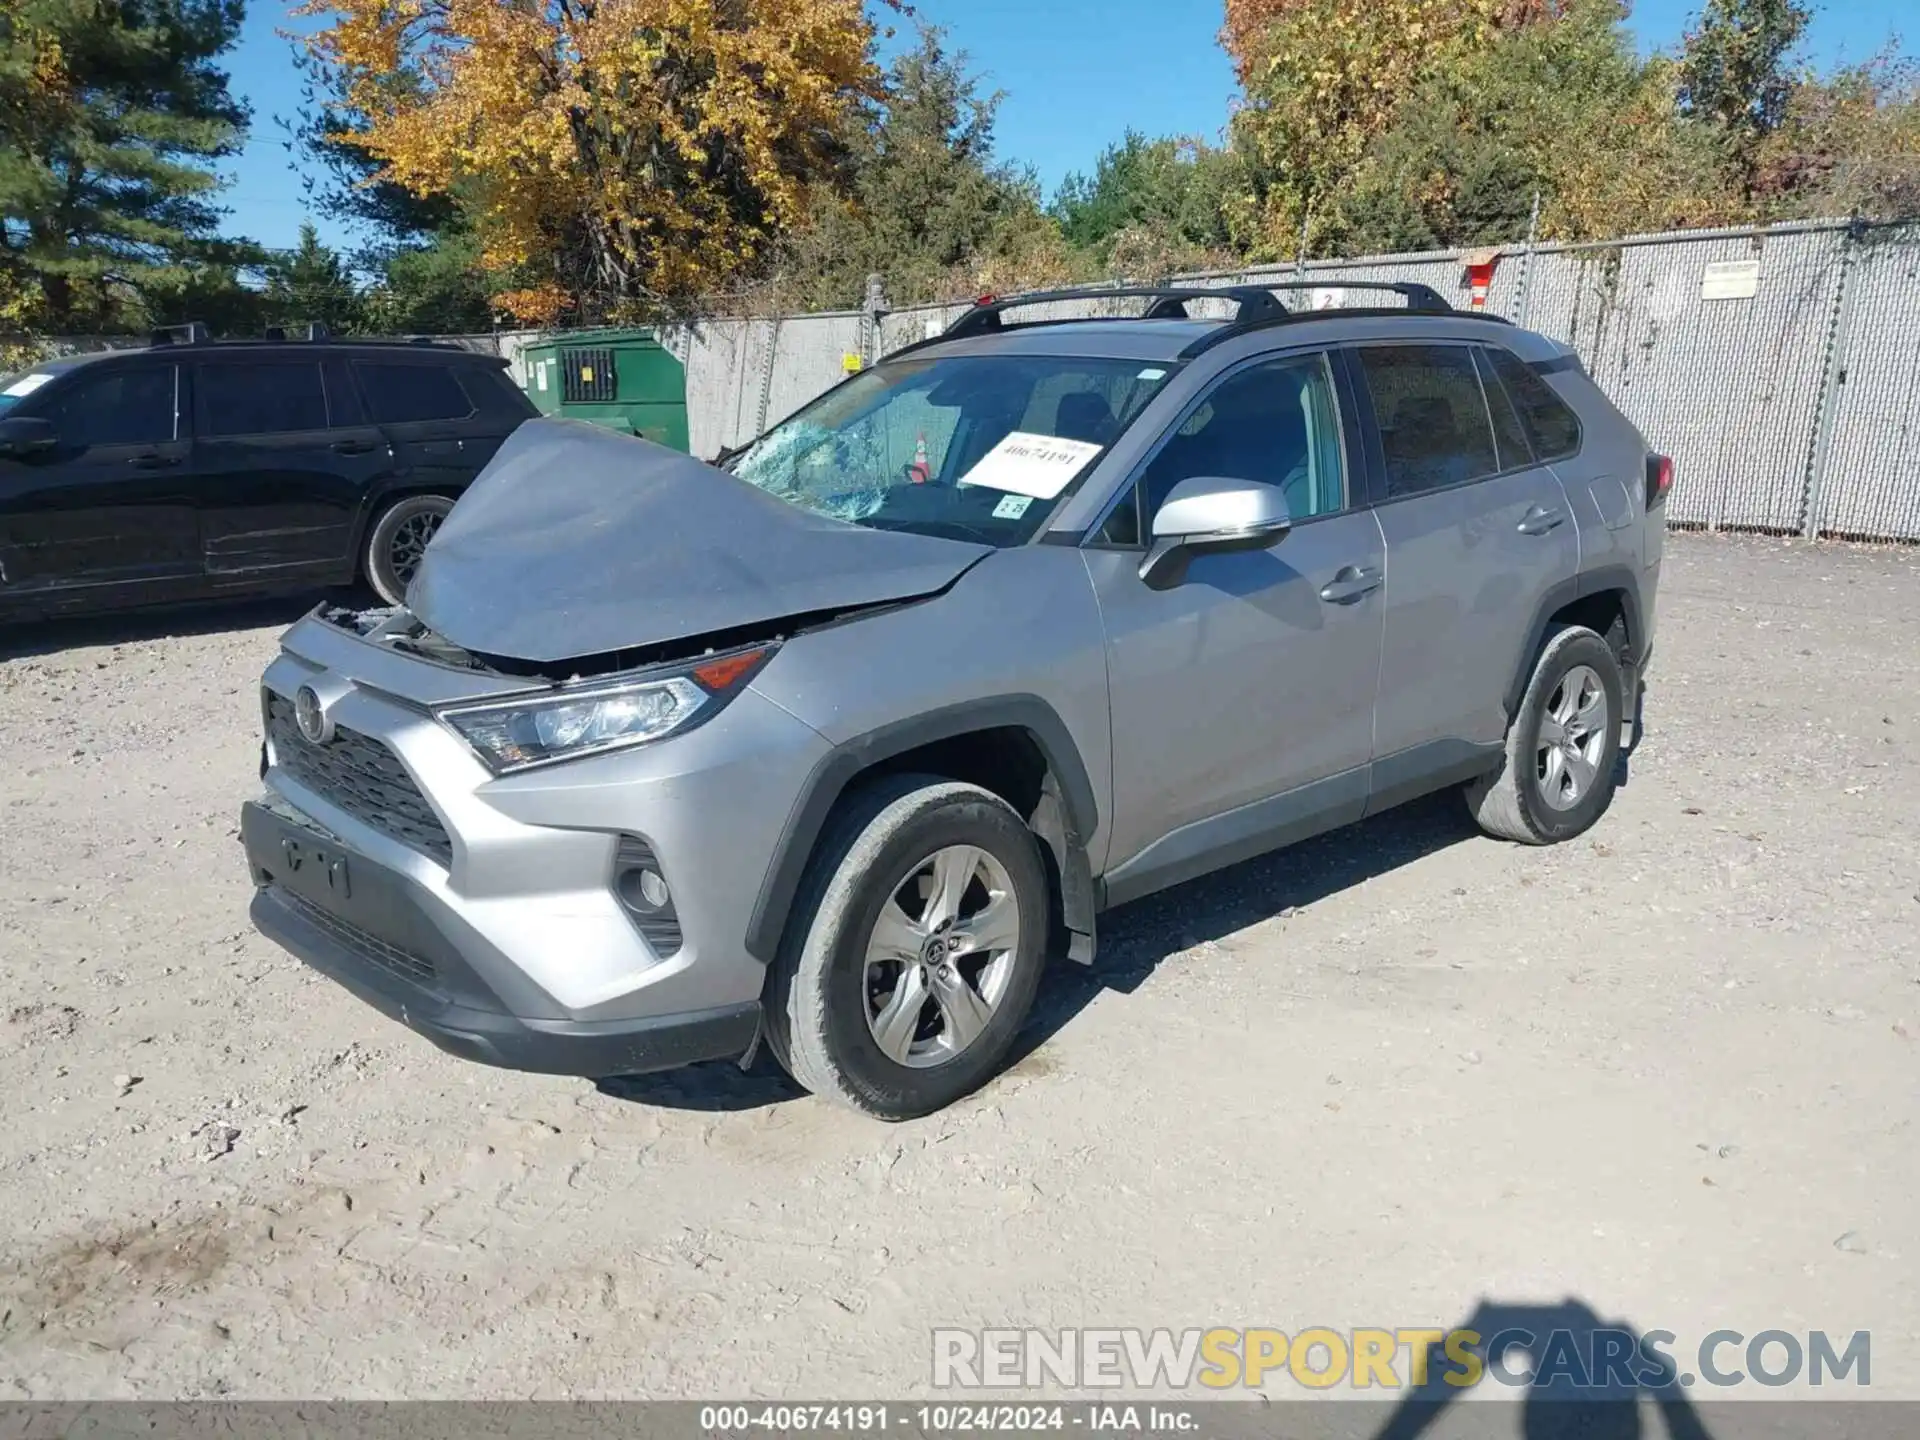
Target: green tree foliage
1376 125
922 201
1562 107
112 114
343 181
1733 68
440 288
312 285
1151 206
1847 144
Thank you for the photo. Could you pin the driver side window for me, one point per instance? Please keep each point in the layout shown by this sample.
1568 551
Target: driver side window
1274 422
122 407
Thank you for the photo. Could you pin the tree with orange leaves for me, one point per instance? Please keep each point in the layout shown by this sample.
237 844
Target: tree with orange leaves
622 155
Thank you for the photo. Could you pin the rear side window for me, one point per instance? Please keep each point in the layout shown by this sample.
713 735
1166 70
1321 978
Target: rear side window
263 397
400 394
1432 413
129 407
1550 422
494 392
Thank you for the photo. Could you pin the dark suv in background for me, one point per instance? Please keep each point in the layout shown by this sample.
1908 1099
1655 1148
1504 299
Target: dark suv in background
195 469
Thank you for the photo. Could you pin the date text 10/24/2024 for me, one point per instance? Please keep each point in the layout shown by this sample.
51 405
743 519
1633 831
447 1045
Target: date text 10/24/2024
876 1419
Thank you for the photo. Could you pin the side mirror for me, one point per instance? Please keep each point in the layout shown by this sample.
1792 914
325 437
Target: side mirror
1206 514
23 435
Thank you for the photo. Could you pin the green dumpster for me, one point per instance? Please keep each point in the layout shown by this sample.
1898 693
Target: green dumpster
623 379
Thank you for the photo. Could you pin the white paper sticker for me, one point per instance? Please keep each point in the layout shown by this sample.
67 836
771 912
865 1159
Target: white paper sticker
1731 280
1329 299
1012 507
1151 375
27 384
540 374
1036 465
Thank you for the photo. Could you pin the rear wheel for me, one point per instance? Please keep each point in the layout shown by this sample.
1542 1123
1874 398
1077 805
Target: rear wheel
921 938
1557 778
398 540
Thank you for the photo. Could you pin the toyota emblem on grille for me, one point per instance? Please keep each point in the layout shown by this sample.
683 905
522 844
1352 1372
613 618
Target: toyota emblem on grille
311 716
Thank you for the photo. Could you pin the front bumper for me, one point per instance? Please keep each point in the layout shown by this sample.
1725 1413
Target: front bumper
375 933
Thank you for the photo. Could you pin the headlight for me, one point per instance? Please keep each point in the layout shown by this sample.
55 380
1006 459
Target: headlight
592 719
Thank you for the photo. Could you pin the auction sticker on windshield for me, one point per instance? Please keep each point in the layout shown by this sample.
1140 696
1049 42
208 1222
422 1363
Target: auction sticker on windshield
27 384
1036 465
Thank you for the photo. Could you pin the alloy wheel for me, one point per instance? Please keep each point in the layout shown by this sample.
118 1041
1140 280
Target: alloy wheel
410 542
940 956
1572 739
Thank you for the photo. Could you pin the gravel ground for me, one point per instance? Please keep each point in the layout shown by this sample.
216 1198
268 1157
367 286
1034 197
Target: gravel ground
1669 1072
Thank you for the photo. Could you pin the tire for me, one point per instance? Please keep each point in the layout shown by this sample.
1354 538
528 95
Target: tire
1538 797
831 995
396 540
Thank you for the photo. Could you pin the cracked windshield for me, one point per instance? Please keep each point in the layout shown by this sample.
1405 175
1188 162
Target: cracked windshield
969 448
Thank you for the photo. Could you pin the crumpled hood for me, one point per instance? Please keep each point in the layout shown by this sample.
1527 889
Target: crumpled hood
577 541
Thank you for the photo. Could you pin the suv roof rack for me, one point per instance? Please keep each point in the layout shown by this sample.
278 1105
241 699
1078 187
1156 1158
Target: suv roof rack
1169 303
195 332
191 333
1257 304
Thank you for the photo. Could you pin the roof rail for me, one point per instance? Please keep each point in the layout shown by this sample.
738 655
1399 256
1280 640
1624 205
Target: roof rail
1257 304
191 333
1169 303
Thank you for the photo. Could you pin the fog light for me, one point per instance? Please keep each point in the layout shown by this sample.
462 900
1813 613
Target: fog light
642 890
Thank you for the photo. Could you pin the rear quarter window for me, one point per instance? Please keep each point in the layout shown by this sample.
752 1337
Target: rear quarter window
495 395
1549 421
401 394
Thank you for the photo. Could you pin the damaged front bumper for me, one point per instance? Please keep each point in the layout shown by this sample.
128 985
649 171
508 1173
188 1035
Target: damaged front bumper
487 912
387 942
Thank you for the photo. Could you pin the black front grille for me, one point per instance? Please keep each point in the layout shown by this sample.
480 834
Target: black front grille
362 777
403 964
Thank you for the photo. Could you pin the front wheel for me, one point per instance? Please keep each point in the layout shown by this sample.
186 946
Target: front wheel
917 949
1557 778
398 540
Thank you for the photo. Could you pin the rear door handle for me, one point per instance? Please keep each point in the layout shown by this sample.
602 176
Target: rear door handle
353 447
1352 583
1540 519
153 462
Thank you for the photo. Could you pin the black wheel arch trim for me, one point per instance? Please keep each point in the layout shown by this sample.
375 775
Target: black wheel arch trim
1594 582
1067 814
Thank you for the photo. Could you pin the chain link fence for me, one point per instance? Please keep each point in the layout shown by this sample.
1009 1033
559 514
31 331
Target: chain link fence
1780 367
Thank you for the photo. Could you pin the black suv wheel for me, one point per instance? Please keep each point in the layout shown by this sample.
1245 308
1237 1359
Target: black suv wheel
398 539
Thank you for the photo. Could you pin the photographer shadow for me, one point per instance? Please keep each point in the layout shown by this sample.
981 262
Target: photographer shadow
1584 1379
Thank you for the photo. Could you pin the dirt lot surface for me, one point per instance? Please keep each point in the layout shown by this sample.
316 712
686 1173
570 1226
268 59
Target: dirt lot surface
1669 1072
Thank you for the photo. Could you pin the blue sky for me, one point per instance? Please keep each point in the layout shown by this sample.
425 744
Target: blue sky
1076 74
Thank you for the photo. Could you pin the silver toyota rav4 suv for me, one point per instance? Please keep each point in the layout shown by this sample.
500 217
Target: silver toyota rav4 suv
832 743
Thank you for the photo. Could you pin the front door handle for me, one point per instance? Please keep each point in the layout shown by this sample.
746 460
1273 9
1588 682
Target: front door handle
1352 583
1540 519
353 447
153 462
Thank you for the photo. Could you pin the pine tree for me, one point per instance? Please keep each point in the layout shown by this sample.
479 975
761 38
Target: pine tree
311 285
112 113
